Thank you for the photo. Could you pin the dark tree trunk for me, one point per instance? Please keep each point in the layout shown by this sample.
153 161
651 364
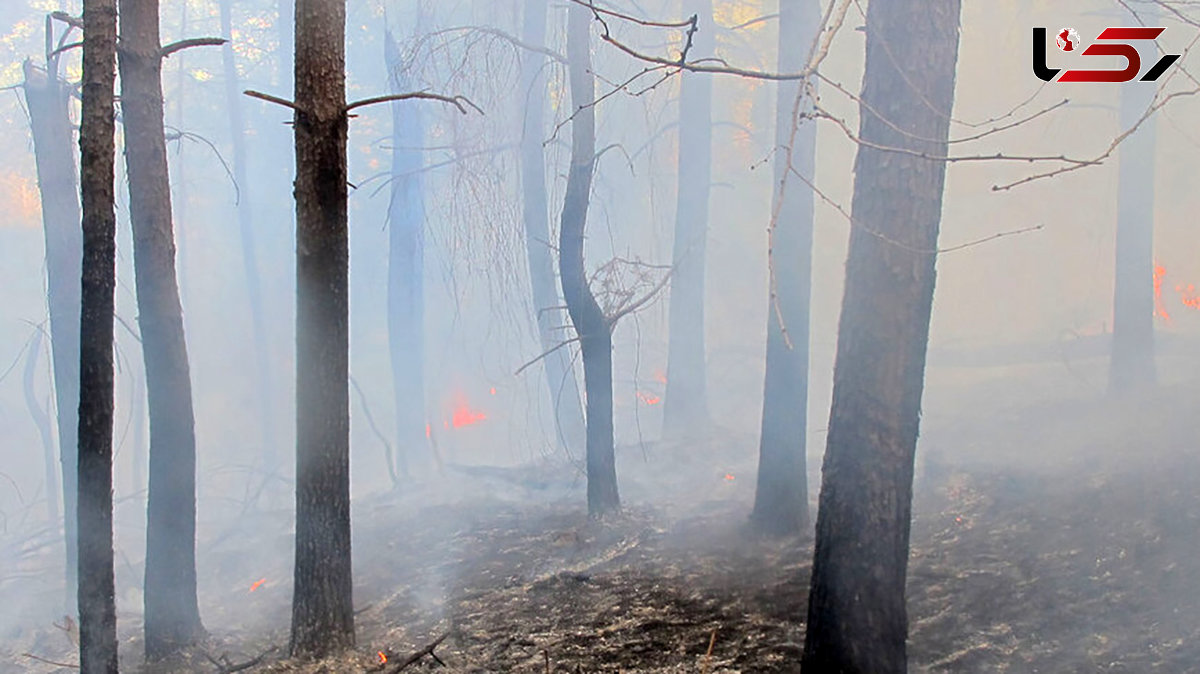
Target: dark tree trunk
322 604
857 622
1132 363
686 406
781 495
406 269
245 218
595 337
97 607
172 614
560 375
52 137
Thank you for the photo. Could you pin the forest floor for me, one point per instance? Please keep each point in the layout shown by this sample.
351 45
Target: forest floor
1083 561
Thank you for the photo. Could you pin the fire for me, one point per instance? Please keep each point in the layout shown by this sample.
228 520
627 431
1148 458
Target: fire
256 584
729 477
660 376
1160 311
382 657
1188 296
428 430
463 414
493 390
648 398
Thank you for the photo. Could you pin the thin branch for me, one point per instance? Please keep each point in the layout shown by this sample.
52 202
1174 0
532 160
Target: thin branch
65 48
634 306
68 665
428 650
456 101
545 354
632 19
189 43
272 99
73 21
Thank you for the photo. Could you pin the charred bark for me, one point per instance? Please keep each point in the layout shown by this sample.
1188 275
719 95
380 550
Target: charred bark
172 614
686 397
857 621
592 326
322 608
97 607
406 269
49 118
1131 366
781 494
560 375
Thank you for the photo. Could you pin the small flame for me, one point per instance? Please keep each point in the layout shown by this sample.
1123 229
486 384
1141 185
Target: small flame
428 430
648 398
660 376
729 477
382 657
1188 296
493 390
465 416
1160 311
258 583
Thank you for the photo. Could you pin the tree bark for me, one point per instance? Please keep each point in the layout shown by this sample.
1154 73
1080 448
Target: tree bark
97 607
595 337
781 494
322 603
857 621
245 218
686 397
172 613
560 375
1131 366
50 121
406 269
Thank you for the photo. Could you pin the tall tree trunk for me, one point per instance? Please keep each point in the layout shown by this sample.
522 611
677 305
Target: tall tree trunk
406 269
686 404
50 120
595 337
322 603
1132 362
781 495
560 375
856 614
42 420
245 217
97 606
172 614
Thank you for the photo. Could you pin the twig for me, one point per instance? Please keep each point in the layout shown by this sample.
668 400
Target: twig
68 665
225 667
428 650
545 354
189 43
712 641
272 99
456 101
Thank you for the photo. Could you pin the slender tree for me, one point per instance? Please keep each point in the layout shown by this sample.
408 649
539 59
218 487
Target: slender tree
172 614
592 326
48 97
96 598
781 495
560 375
322 602
1132 363
686 405
857 621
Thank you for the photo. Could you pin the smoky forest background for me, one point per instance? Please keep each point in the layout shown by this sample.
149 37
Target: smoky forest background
596 336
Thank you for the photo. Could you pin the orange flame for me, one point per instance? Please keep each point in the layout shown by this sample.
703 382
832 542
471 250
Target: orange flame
382 657
428 430
1188 296
1160 311
729 477
648 398
254 586
463 414
660 376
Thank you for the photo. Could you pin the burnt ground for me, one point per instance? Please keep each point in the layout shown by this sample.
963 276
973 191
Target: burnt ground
1086 564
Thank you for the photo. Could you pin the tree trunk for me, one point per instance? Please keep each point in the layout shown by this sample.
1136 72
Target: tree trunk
1132 362
406 270
595 337
781 495
322 604
560 375
686 397
856 614
97 607
42 420
245 217
172 615
52 137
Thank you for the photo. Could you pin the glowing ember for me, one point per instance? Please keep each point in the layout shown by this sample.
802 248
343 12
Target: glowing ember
648 398
382 657
729 477
463 414
428 430
1159 310
257 584
660 376
493 390
1187 295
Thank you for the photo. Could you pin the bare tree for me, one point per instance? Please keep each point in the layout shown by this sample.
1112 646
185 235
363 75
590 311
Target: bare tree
686 404
97 606
856 613
592 326
781 494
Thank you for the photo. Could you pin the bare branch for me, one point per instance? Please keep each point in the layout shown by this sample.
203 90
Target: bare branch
189 43
65 48
456 101
632 19
272 99
415 657
72 21
545 354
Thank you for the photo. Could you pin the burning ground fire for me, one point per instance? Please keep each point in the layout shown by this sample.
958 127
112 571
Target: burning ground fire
257 584
1188 296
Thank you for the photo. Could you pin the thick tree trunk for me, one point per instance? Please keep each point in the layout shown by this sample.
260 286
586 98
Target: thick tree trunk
322 603
857 621
97 607
1132 362
172 614
595 337
48 99
406 270
560 375
781 495
245 218
686 404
